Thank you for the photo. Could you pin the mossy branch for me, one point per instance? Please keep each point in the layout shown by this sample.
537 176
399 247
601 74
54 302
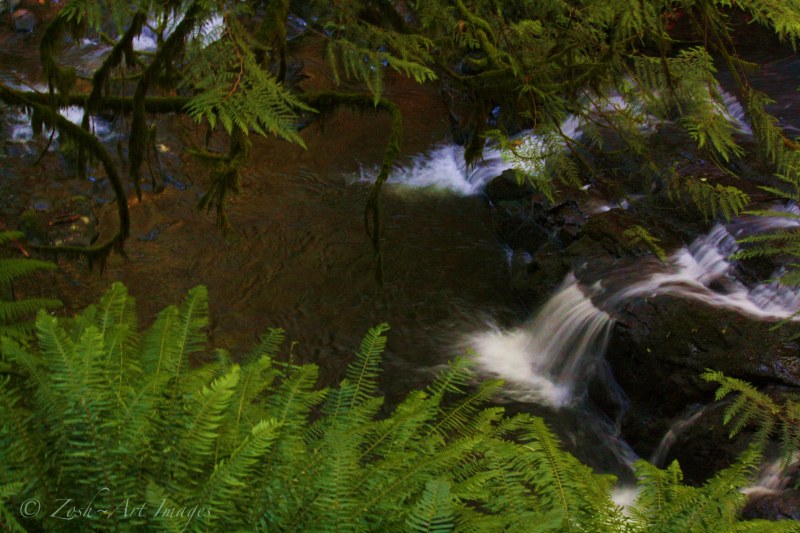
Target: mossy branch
50 117
115 104
171 47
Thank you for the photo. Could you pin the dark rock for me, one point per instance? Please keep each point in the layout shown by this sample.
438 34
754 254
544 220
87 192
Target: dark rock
773 505
659 348
24 21
700 443
506 187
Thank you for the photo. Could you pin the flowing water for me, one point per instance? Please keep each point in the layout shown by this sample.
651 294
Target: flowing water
297 258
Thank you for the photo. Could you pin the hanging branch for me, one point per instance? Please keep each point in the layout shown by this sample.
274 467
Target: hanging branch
83 138
327 101
172 45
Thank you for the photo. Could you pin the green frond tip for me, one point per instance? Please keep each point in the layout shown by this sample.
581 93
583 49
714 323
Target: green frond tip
13 269
363 372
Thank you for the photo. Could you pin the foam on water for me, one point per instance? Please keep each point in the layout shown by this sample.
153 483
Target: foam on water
444 168
542 360
625 496
703 272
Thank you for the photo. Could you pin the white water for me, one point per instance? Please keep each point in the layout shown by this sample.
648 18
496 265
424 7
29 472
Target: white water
549 359
22 132
775 477
443 168
702 272
542 361
734 110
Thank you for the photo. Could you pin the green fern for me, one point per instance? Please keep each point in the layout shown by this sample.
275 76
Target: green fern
433 513
711 199
638 234
752 407
15 314
257 445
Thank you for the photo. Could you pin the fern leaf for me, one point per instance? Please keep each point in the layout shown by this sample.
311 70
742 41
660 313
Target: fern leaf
433 513
12 269
364 371
226 484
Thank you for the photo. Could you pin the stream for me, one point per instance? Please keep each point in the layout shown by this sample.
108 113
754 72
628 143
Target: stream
296 257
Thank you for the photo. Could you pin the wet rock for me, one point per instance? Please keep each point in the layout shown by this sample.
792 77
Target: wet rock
507 187
24 21
659 348
769 505
701 443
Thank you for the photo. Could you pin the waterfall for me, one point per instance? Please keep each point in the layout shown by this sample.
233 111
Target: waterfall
735 112
444 167
676 429
775 477
549 358
543 360
703 272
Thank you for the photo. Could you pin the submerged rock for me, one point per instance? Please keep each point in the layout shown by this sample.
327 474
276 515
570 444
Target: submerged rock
24 21
67 222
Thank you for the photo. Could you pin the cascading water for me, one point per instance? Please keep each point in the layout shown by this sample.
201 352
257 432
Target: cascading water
775 476
543 360
676 429
703 272
551 358
444 168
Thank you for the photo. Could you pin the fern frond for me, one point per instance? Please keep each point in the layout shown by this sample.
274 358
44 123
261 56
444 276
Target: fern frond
226 484
198 437
752 406
433 513
363 372
710 199
12 269
638 234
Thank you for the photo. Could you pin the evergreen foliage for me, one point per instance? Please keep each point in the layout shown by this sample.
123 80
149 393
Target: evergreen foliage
15 314
616 67
120 424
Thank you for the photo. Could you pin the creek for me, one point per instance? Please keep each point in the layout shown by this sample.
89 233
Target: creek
296 257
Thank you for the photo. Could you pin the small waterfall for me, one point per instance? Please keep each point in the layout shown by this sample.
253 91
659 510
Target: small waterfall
735 112
544 360
775 477
703 272
444 167
549 359
676 429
